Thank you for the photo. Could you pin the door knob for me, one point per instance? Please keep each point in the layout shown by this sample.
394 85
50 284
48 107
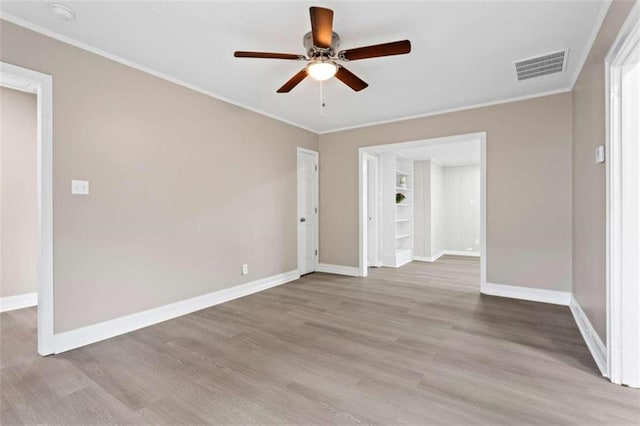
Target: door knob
303 219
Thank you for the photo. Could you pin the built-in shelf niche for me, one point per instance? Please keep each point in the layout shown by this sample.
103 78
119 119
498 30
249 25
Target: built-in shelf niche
397 176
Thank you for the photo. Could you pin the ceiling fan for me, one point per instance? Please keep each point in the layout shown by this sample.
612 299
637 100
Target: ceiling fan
323 55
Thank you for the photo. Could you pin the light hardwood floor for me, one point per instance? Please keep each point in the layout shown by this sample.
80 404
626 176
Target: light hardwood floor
417 345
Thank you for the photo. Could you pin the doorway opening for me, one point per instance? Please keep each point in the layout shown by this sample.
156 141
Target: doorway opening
23 80
403 209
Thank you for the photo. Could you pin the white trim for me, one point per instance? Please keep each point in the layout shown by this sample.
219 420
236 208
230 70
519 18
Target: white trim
84 46
94 333
527 293
450 110
462 253
350 271
43 85
362 217
590 336
623 297
316 183
11 303
446 252
483 213
604 8
429 258
481 137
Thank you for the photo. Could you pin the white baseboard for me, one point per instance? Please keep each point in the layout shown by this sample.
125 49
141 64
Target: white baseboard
462 253
20 301
429 259
94 333
443 252
350 271
527 293
594 343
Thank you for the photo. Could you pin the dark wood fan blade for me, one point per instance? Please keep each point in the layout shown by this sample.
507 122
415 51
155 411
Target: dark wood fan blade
267 55
293 81
350 79
377 50
321 26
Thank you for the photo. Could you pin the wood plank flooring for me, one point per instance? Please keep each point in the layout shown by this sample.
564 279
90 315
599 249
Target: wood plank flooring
416 345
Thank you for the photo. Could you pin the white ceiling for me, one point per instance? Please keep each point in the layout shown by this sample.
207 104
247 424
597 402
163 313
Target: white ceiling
463 52
448 154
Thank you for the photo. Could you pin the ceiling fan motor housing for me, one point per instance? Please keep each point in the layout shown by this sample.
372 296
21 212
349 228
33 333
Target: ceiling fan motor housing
313 51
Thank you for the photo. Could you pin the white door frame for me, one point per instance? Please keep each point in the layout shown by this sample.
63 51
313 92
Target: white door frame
623 246
377 213
362 212
316 184
30 81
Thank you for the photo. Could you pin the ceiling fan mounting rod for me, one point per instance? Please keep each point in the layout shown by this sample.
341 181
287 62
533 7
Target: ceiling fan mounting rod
314 51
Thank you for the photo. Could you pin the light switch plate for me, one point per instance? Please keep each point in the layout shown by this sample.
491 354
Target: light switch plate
80 187
600 154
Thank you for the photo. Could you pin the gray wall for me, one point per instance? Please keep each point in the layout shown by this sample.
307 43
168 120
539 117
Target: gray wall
18 193
184 188
589 179
528 186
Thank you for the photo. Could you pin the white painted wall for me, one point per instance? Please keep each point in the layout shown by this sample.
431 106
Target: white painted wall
447 209
462 207
422 201
438 228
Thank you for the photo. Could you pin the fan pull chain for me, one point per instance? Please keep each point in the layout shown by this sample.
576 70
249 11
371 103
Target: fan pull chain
321 99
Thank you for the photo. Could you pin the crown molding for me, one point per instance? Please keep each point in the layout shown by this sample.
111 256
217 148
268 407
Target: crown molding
84 46
447 111
604 8
87 47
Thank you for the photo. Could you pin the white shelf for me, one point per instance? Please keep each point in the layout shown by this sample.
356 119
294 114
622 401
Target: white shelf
397 230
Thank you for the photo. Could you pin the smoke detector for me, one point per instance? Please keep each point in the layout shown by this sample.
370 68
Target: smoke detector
538 66
62 12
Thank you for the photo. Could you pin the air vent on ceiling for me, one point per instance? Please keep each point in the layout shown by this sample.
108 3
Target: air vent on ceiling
541 65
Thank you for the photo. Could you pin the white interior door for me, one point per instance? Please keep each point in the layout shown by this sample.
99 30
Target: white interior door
373 219
307 211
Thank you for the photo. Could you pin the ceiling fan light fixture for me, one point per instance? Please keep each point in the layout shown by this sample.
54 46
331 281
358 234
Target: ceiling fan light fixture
322 70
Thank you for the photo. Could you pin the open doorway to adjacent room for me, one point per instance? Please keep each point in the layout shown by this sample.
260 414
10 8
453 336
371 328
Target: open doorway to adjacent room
26 231
424 201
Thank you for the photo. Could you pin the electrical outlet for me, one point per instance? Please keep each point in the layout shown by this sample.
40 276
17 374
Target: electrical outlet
80 187
245 269
477 241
